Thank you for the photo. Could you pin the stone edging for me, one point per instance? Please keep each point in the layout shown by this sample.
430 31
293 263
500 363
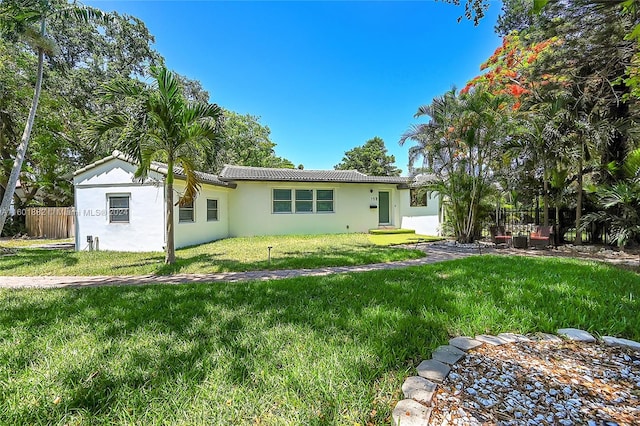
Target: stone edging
418 390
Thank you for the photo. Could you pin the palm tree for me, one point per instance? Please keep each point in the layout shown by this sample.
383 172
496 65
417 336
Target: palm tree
163 125
458 145
27 19
620 203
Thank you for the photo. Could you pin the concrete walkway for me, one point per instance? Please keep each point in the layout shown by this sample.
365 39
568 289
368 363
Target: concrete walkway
435 253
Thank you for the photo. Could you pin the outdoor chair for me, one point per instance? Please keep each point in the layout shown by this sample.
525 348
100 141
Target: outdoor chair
542 237
499 235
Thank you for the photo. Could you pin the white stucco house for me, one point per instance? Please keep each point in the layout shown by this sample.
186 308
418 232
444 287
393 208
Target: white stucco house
127 214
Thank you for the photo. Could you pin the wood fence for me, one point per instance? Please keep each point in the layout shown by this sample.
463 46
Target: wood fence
50 222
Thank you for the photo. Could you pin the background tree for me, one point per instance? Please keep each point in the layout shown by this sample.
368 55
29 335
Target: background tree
28 19
161 124
371 159
245 142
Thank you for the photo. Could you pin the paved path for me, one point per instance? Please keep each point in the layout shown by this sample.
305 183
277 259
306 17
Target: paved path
435 253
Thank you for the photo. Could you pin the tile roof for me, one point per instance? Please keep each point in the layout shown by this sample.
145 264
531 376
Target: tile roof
159 168
236 173
230 173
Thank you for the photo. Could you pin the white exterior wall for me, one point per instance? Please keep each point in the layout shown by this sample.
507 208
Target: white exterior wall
250 209
243 211
424 220
145 229
200 230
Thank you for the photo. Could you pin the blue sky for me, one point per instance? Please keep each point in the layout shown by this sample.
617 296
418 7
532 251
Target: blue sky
324 76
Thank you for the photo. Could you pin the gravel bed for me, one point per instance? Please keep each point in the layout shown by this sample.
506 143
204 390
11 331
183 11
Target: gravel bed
541 383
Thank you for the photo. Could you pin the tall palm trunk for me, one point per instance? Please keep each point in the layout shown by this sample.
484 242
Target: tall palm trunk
578 240
170 251
545 188
21 151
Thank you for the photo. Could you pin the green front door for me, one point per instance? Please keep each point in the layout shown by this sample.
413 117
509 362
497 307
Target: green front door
383 208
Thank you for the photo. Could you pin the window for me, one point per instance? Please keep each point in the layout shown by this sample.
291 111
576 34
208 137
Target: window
418 197
185 212
324 200
119 209
282 201
212 210
304 201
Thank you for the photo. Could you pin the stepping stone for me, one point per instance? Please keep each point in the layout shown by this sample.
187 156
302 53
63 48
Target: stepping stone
492 340
433 370
512 337
576 334
465 343
546 337
419 388
616 341
410 413
447 354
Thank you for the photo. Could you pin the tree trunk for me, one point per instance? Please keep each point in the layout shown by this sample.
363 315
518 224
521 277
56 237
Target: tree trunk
545 188
170 250
578 240
21 150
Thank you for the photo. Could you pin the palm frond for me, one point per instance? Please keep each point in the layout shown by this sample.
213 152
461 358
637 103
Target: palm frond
82 13
117 88
192 185
631 166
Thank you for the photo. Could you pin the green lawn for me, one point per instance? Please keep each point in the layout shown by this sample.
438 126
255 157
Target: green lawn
312 351
232 254
27 242
406 238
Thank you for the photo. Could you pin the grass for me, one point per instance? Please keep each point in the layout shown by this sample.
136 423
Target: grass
312 351
385 231
233 254
28 242
403 238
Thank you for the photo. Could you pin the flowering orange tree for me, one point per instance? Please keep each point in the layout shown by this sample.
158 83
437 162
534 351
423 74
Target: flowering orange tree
511 69
516 71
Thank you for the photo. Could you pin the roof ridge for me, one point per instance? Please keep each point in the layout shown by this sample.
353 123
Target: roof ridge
156 166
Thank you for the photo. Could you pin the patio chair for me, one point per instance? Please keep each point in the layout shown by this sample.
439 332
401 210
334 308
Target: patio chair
542 237
499 236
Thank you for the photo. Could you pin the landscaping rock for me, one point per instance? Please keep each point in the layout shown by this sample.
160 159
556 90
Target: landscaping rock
416 383
410 413
616 341
465 343
576 334
540 383
433 370
492 340
546 337
447 354
512 337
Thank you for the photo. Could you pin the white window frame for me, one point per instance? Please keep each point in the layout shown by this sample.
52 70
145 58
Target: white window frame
128 208
310 201
426 198
193 212
217 210
316 200
291 200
